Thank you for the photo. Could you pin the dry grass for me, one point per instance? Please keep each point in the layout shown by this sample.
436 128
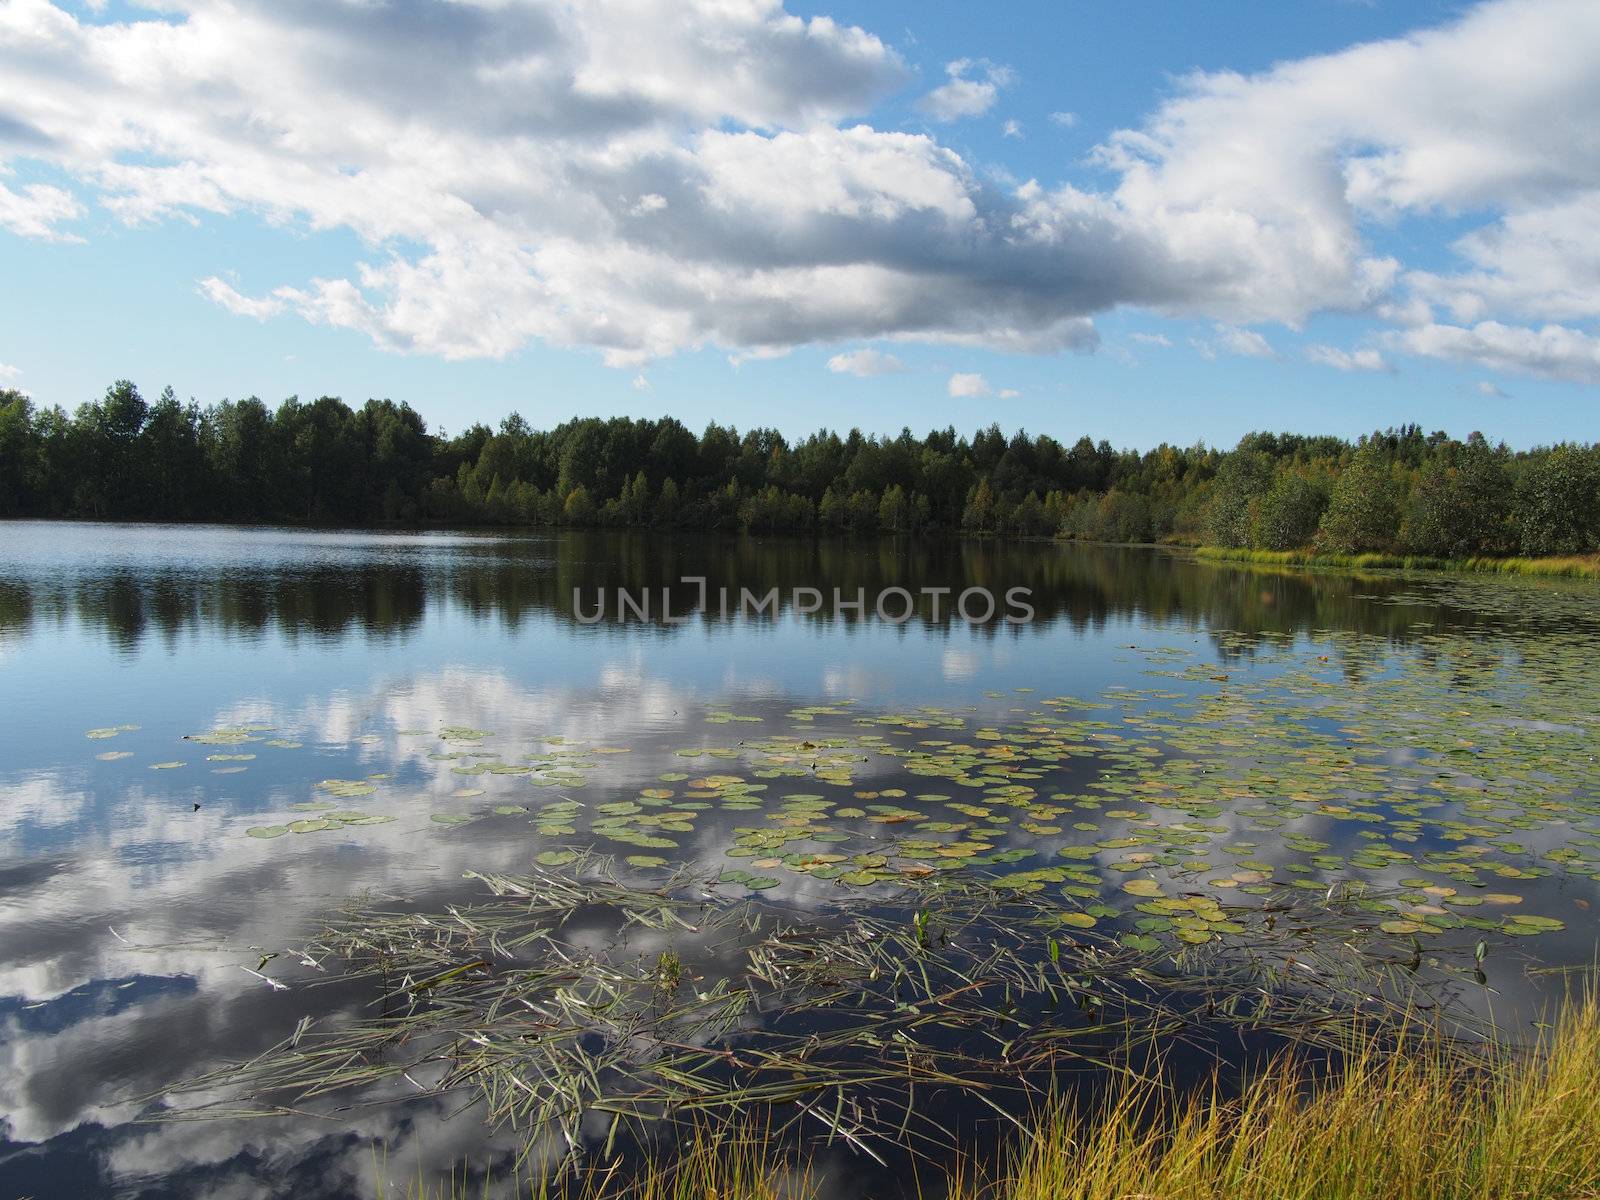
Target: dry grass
1420 1124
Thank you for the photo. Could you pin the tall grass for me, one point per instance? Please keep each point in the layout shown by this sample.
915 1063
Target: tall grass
1424 1123
1421 1124
1585 566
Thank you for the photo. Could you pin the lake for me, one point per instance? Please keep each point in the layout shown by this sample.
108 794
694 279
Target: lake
217 737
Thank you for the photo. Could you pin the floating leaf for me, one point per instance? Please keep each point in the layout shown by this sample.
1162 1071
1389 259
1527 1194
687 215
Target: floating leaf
346 788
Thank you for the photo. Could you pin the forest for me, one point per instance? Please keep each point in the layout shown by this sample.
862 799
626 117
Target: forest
1398 491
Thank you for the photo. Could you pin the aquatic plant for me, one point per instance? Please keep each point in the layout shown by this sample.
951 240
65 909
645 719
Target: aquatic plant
697 1007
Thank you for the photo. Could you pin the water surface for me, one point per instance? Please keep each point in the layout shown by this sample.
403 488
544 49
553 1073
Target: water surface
182 708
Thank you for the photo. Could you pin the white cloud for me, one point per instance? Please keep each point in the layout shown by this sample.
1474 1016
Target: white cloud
1493 390
1012 128
964 96
865 363
1229 339
1541 262
1364 359
1009 393
1064 119
224 294
643 179
641 383
968 386
757 354
1159 340
1316 147
8 373
1550 352
37 209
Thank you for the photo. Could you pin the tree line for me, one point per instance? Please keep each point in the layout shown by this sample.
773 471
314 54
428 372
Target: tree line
1396 491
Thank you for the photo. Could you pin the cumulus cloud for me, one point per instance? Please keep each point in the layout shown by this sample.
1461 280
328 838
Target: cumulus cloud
968 386
1542 262
643 180
971 90
1012 128
1009 393
1158 340
1552 351
865 363
1492 390
1314 147
1064 119
1364 359
9 373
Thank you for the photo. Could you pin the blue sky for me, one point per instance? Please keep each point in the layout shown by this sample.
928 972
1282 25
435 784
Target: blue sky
1324 217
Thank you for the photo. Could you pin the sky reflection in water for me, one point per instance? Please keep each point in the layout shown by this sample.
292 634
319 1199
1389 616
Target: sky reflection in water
127 914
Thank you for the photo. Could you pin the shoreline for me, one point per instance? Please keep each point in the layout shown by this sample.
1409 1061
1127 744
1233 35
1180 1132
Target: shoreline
1567 567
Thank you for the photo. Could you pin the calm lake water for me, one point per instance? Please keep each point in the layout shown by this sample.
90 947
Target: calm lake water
182 709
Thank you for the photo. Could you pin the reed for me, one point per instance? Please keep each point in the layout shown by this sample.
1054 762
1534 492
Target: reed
1573 566
1422 1122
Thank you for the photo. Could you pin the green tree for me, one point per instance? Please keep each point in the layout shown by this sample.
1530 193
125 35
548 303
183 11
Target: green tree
979 514
894 511
579 509
666 511
1244 475
1363 512
1122 517
1287 516
19 455
1558 502
1459 504
172 460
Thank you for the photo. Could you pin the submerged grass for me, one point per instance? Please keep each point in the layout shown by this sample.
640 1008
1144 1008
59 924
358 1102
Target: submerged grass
610 1025
1581 566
